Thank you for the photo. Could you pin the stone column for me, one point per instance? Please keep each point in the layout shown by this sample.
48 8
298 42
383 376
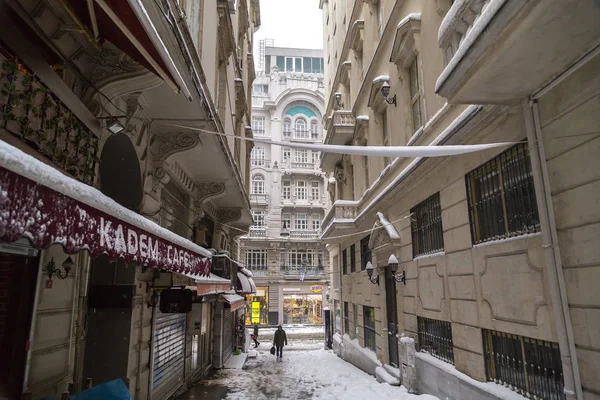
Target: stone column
408 364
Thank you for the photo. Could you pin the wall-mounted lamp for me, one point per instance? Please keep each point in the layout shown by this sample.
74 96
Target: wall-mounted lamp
393 265
338 100
52 270
113 125
385 91
369 267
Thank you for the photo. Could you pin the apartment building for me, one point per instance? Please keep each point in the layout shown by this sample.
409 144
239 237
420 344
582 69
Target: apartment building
487 260
107 202
287 190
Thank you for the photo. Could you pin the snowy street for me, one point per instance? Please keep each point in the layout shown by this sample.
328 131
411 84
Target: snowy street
307 372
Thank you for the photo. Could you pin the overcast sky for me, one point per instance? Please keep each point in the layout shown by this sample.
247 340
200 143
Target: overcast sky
291 23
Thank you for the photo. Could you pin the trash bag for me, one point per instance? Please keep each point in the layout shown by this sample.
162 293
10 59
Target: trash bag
113 390
252 336
273 350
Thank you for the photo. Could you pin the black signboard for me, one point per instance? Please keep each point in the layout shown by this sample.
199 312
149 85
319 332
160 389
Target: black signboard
175 301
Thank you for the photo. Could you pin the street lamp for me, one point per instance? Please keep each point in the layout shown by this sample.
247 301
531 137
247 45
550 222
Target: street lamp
393 265
369 267
385 91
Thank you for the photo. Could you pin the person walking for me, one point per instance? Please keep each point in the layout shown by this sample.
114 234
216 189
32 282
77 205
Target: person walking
255 336
279 341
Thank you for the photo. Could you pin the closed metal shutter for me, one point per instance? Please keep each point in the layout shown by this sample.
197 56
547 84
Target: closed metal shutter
227 334
168 353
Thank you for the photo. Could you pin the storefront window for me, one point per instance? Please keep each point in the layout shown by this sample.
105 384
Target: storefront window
303 309
258 307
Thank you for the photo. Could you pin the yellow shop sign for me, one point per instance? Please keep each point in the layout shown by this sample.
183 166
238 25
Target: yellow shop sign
316 288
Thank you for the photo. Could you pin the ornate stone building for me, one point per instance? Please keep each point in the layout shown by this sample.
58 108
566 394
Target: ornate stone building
287 191
104 93
495 266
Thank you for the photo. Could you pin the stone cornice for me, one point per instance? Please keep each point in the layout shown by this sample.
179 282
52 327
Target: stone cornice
225 30
404 48
357 34
345 72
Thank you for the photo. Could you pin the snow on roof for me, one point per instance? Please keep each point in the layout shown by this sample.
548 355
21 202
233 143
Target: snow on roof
31 168
389 228
212 278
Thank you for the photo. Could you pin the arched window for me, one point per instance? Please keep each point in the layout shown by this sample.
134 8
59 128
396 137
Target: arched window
287 128
301 130
314 129
258 184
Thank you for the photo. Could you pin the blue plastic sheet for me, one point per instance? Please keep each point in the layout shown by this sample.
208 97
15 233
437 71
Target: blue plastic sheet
113 390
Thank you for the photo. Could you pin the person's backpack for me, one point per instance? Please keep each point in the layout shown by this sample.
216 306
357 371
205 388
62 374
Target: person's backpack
273 350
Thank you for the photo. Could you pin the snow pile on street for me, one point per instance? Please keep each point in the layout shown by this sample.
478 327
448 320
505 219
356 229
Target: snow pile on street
316 374
383 376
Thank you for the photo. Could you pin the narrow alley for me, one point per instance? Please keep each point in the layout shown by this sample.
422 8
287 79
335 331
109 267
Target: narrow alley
323 376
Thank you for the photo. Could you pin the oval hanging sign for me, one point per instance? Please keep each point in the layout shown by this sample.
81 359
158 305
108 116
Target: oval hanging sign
316 288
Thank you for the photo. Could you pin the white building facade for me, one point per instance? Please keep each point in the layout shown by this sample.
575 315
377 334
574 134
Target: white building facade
287 191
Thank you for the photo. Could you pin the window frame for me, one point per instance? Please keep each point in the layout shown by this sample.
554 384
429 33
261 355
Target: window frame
427 231
315 191
301 224
299 131
314 129
515 163
259 218
287 127
286 217
316 222
257 156
287 154
415 97
259 125
346 318
286 190
256 179
256 260
301 190
344 262
370 334
353 258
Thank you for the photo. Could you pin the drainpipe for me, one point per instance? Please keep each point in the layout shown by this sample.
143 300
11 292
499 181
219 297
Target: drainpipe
556 279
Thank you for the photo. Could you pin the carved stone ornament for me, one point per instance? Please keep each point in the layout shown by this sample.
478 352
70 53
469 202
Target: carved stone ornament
339 174
226 215
167 144
207 190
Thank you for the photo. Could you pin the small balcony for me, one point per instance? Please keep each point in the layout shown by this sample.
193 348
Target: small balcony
260 162
340 129
257 232
306 201
304 234
259 198
31 112
295 166
293 271
501 51
340 217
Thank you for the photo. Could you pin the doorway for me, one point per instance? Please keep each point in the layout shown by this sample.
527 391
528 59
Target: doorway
18 277
392 316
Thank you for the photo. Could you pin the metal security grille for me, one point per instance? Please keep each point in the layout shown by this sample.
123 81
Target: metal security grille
169 341
501 197
426 226
435 337
528 366
227 334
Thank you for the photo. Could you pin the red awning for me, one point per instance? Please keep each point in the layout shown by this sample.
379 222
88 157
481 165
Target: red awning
41 204
116 21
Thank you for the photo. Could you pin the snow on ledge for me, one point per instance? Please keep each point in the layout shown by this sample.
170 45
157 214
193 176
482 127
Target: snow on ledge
362 118
31 168
432 255
493 388
365 351
472 35
506 240
409 17
389 228
381 78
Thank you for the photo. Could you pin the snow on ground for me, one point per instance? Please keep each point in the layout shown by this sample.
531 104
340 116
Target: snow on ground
292 330
304 374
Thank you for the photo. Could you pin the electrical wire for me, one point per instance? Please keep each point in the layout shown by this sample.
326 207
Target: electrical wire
370 230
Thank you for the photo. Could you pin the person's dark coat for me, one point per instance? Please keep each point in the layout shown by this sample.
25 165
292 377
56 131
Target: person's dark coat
255 330
280 338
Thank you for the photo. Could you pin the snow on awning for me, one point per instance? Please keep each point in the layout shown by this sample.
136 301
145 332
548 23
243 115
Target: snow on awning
41 204
243 284
252 285
246 272
211 284
233 300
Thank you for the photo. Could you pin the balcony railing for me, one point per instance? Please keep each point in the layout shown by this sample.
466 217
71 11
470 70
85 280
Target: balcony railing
259 162
303 165
343 118
29 110
259 198
458 21
341 209
313 270
304 234
308 200
257 232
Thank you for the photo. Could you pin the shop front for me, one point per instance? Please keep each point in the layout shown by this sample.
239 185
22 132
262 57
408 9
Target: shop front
303 304
258 306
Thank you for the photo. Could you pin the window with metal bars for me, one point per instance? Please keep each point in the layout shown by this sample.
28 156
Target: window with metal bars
501 197
435 337
346 318
344 262
531 367
369 327
365 252
426 226
353 258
